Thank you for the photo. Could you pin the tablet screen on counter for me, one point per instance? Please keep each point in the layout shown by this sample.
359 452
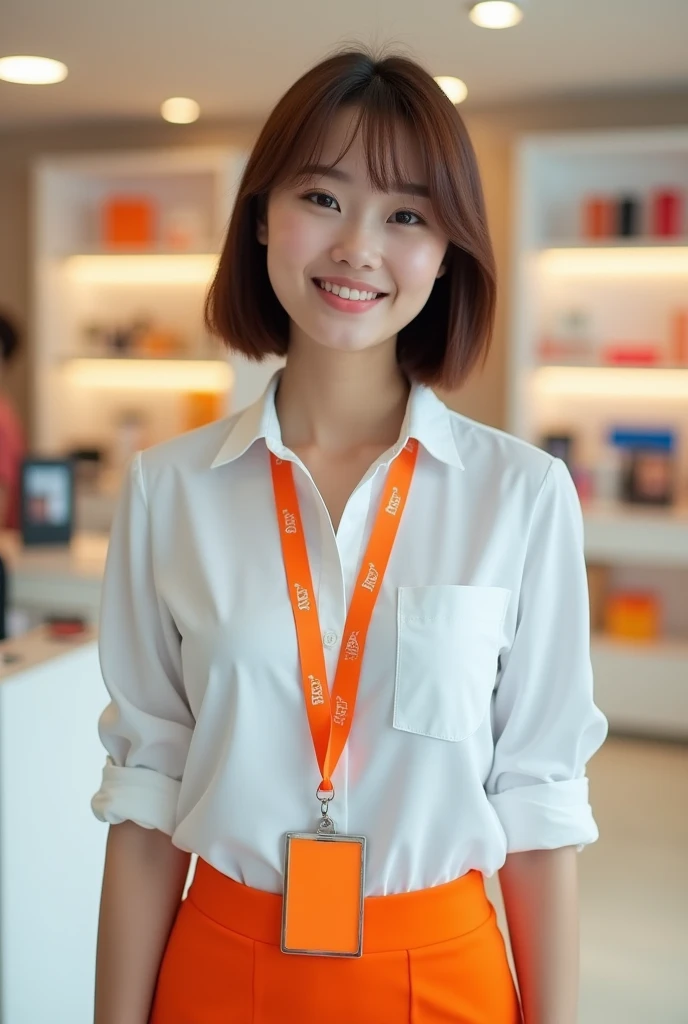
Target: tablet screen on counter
47 501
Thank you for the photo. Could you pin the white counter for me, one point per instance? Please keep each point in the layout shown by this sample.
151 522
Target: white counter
51 846
45 580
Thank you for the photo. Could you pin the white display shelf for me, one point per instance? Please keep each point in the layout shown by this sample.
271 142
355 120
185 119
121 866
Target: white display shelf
636 536
643 687
83 285
624 291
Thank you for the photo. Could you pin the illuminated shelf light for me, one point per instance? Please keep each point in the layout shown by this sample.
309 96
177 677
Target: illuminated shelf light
210 375
167 268
611 381
644 261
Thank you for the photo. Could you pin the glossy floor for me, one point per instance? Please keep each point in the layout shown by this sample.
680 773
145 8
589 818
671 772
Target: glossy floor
634 887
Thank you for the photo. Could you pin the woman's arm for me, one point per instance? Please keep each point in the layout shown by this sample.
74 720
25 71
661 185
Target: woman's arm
142 886
540 890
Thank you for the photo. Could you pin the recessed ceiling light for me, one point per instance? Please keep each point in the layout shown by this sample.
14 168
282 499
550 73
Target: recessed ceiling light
455 89
496 13
180 110
32 70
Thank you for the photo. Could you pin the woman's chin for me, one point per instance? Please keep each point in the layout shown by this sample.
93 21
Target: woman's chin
338 339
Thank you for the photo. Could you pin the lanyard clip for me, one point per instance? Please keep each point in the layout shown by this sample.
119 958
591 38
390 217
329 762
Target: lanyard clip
326 825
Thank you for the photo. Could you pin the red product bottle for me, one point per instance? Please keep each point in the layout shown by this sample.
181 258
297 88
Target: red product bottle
667 213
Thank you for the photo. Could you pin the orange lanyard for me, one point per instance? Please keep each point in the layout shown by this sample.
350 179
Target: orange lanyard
330 716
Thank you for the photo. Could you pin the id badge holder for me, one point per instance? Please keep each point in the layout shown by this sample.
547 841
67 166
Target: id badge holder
324 877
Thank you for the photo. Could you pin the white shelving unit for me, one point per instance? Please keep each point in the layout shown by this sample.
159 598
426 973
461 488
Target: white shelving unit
85 291
624 290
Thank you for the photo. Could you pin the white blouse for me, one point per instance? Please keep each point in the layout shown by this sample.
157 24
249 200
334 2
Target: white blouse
475 715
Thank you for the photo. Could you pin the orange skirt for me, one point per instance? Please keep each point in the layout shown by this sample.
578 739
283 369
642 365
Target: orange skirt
428 957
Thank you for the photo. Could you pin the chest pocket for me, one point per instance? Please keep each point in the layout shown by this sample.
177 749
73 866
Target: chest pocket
448 644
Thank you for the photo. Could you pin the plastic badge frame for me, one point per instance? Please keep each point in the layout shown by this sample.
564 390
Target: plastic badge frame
321 837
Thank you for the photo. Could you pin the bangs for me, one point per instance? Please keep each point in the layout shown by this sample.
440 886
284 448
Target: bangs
384 130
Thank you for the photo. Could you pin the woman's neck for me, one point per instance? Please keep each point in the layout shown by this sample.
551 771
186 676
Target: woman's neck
339 401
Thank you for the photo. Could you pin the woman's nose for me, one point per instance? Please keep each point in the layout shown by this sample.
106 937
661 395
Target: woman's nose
357 246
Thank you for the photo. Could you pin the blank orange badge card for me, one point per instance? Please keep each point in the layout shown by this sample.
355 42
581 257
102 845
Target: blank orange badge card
323 895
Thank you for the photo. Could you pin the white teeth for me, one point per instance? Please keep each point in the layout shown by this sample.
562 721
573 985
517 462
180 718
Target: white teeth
352 294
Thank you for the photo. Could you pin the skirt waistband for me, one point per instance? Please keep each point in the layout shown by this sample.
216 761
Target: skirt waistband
402 921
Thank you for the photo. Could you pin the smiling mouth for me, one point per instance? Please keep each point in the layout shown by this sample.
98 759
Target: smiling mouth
351 294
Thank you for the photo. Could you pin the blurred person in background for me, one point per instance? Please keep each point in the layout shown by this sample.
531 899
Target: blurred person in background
245 561
12 444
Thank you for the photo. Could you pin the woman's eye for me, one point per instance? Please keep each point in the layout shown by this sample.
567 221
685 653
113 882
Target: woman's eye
322 199
406 217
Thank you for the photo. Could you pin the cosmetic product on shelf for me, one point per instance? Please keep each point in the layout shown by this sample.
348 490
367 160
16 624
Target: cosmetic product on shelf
631 353
678 337
160 343
598 586
628 217
95 340
568 337
632 615
599 217
140 337
666 213
201 407
648 465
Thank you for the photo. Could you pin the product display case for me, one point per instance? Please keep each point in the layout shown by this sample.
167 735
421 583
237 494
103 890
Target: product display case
598 374
125 246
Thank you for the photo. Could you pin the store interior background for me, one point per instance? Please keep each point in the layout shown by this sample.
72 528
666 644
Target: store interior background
586 70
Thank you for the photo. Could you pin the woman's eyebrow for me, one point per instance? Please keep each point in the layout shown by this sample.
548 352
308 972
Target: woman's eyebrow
403 187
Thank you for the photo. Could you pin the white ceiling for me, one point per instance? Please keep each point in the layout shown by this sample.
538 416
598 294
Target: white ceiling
237 57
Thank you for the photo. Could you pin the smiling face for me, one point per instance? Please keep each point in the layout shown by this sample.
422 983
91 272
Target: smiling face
352 265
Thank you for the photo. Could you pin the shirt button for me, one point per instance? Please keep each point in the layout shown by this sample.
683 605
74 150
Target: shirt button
330 638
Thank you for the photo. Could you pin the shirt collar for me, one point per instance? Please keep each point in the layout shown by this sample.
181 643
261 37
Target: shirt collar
427 419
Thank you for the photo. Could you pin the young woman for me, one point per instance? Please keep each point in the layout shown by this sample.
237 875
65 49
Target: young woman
350 614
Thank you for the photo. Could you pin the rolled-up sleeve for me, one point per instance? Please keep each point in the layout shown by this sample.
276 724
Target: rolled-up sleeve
146 728
545 723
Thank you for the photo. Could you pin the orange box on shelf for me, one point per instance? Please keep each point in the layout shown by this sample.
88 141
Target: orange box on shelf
631 615
128 220
599 217
201 407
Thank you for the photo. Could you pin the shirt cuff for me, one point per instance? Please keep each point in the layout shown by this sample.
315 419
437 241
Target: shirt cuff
141 795
546 816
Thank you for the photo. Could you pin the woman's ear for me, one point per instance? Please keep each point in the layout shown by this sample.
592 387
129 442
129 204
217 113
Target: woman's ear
442 271
262 231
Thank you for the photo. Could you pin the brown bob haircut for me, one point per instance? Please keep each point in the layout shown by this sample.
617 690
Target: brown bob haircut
444 341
